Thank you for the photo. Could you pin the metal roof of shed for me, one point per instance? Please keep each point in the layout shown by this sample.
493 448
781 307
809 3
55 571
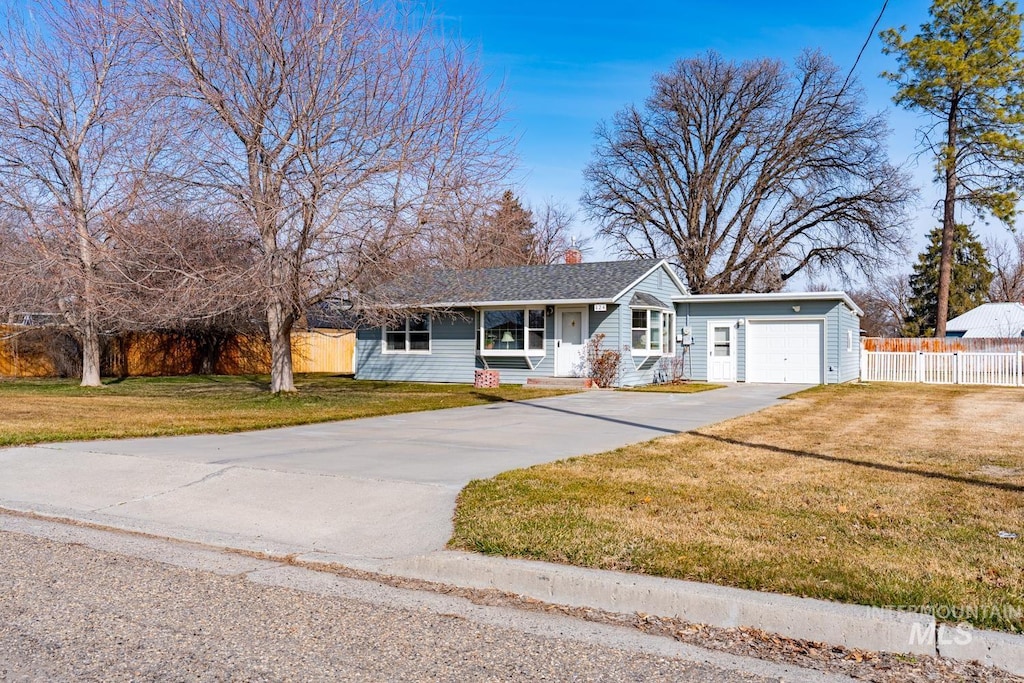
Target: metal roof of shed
990 320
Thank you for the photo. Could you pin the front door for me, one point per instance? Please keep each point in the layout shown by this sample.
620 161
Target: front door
569 342
722 351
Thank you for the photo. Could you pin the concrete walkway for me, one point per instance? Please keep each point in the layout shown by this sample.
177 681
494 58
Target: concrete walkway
362 492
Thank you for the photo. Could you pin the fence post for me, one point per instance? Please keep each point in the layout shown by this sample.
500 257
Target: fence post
919 370
863 364
1020 368
956 368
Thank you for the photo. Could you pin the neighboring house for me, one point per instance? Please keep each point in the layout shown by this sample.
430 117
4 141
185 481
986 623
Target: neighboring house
1001 320
534 321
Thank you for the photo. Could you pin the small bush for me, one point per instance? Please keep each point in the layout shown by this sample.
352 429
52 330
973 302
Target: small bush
604 363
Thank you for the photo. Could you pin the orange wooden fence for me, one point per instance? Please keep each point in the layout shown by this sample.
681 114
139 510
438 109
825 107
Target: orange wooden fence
23 354
944 344
20 358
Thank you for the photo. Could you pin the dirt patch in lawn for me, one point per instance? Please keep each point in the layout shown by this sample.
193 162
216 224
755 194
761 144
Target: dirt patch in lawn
873 494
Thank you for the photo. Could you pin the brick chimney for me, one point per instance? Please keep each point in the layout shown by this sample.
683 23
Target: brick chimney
573 255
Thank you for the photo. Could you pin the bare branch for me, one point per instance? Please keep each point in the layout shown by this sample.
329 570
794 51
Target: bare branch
747 174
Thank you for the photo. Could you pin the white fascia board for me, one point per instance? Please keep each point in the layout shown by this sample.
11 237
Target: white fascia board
660 264
514 304
772 296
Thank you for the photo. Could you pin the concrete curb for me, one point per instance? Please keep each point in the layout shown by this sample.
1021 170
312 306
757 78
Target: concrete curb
992 648
851 626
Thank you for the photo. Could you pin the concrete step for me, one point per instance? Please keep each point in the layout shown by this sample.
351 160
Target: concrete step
560 382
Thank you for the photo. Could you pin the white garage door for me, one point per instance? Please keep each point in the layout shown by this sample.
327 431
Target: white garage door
784 352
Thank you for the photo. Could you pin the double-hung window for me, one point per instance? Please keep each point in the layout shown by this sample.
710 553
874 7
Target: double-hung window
513 332
652 332
410 335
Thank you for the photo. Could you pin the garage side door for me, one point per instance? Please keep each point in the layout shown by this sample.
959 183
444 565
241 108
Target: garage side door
784 352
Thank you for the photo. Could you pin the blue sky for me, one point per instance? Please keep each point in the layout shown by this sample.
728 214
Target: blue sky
565 66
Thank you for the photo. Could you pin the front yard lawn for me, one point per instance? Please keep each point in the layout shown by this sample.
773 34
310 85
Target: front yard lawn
677 387
35 411
886 495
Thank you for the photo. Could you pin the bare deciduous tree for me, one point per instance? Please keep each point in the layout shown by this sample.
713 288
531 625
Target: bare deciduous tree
553 233
886 304
337 130
745 174
1007 261
179 268
73 137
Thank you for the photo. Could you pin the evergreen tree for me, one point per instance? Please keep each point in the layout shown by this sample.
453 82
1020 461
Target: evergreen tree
511 233
965 70
971 277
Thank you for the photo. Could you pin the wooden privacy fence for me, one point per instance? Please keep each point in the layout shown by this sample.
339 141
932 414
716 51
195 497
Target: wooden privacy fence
155 354
944 361
324 351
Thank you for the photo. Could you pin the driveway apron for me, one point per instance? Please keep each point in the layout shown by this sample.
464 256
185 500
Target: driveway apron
364 491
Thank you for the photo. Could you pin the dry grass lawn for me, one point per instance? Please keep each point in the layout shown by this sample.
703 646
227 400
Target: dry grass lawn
871 494
35 411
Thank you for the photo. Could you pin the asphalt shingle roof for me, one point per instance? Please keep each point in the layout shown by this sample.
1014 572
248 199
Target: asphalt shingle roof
645 299
560 282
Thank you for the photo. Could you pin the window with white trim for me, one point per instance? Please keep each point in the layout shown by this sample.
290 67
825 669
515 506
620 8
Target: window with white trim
512 331
652 332
849 340
411 335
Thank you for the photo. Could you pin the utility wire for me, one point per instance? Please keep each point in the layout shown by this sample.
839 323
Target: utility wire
867 41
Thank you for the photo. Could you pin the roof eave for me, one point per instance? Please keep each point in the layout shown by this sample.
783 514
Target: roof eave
509 303
774 296
660 264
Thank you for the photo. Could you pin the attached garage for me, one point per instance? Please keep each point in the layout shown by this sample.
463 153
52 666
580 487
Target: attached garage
774 337
785 351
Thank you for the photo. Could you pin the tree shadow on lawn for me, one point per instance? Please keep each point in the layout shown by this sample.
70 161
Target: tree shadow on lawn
896 469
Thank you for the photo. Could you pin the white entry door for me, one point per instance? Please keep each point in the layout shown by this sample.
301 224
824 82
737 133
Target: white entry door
569 342
722 351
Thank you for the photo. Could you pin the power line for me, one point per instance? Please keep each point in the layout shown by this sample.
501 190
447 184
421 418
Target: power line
867 41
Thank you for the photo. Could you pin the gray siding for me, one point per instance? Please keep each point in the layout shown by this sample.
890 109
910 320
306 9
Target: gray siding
515 370
641 369
840 365
451 358
454 357
849 360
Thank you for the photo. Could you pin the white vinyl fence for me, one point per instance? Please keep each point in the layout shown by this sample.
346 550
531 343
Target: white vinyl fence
931 367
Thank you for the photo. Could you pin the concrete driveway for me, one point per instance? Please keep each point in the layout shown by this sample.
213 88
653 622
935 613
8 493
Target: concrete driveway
360 491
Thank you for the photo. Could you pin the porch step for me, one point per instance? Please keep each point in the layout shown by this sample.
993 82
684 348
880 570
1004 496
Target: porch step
560 382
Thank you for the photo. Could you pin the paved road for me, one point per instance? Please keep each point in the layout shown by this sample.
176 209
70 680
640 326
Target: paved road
83 605
360 491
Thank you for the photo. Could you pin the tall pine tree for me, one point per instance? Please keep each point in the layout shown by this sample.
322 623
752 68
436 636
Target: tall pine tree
971 276
965 70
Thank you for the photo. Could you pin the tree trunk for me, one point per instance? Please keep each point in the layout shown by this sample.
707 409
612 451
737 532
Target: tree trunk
280 324
948 223
90 354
